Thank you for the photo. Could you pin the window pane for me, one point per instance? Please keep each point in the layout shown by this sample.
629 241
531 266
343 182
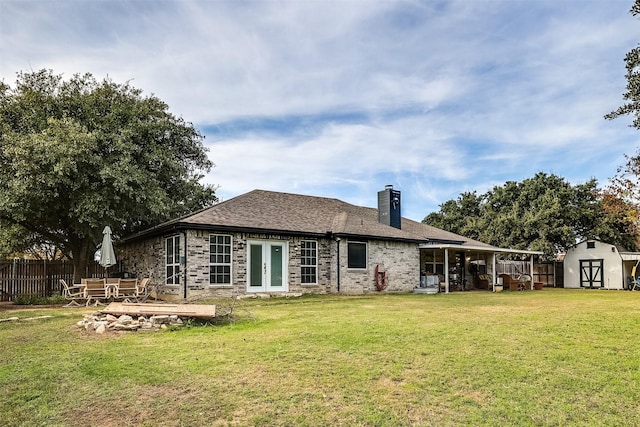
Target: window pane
172 249
276 265
357 255
428 256
308 262
176 256
220 275
219 259
308 275
169 275
255 267
169 251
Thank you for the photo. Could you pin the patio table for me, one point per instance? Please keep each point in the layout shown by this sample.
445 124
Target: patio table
111 290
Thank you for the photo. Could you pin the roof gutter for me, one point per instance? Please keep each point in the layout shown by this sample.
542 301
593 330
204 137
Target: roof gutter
167 228
479 248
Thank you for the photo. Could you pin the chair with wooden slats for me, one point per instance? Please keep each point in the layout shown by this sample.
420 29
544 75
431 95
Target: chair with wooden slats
143 289
95 291
127 290
73 294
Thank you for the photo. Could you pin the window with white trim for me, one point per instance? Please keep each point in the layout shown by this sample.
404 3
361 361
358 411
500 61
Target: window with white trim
356 255
172 251
220 250
309 262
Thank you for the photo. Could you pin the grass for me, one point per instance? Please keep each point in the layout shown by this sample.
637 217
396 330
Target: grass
550 357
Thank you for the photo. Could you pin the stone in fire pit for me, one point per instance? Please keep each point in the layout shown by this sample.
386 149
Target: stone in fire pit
102 322
119 316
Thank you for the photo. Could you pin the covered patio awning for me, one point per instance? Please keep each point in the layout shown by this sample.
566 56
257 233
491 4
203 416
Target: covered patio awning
461 247
630 256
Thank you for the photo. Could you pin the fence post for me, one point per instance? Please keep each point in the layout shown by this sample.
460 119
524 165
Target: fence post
12 282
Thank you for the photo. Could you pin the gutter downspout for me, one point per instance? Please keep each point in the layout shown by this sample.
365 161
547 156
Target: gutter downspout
338 262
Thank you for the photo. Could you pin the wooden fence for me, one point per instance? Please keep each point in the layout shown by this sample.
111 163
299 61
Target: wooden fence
25 278
545 272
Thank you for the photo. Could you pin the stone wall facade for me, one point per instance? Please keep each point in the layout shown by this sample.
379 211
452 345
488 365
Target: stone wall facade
400 261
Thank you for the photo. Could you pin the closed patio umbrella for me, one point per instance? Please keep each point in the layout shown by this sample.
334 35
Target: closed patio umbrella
107 256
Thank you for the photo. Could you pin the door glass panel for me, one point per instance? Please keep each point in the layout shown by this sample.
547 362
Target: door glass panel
276 266
255 267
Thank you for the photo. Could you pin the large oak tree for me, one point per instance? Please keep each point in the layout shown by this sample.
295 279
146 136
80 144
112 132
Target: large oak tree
622 196
632 95
543 213
80 154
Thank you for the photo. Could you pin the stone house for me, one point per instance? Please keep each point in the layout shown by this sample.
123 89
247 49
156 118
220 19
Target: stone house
272 242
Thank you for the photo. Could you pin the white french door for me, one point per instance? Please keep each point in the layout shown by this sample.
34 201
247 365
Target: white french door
267 266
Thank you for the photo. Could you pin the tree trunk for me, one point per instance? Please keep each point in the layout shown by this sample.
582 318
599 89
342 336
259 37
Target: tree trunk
80 250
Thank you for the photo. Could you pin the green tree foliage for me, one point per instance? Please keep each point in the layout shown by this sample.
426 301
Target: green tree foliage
543 213
460 215
80 154
632 95
621 198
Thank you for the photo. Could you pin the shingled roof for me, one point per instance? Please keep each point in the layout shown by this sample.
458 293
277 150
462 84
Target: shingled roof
272 212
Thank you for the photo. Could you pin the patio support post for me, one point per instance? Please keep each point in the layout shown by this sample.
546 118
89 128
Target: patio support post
494 272
446 271
531 284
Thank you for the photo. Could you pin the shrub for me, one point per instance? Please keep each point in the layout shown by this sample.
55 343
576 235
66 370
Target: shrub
38 300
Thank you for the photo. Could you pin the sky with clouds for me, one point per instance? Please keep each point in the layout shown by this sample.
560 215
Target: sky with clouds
340 98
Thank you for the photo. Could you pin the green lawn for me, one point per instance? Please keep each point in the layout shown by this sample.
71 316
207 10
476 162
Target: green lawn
550 357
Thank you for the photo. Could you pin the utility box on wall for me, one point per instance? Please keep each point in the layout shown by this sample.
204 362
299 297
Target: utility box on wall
389 207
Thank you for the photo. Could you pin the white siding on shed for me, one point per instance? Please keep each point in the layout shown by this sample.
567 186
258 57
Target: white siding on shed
612 274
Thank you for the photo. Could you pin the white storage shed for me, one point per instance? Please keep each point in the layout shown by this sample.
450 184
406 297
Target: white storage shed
594 264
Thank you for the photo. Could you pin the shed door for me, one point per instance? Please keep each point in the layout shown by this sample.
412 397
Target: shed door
591 273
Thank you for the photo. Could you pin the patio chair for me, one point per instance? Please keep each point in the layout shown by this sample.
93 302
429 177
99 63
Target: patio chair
143 289
95 290
73 294
525 282
127 290
509 282
485 281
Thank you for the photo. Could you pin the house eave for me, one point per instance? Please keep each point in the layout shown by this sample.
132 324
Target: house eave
182 226
463 247
165 229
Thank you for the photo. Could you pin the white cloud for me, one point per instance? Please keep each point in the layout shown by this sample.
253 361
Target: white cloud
438 97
